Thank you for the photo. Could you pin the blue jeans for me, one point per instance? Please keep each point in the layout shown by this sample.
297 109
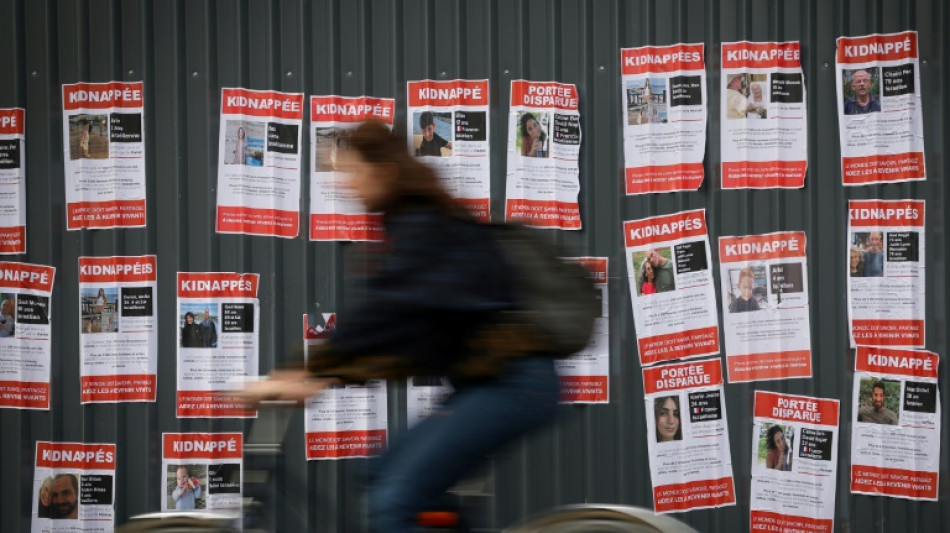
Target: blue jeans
440 450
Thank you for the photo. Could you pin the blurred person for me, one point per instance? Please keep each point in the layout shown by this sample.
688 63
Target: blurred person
746 300
862 101
874 256
209 332
856 264
666 412
64 496
647 278
43 507
432 143
777 456
876 413
433 306
533 138
187 489
191 336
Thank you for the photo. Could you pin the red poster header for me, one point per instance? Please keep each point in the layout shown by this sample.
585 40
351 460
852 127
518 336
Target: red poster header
762 247
544 94
75 455
12 121
916 363
217 285
873 213
102 95
818 411
26 276
262 103
596 265
761 55
202 445
117 269
649 59
665 228
448 93
351 109
878 47
682 376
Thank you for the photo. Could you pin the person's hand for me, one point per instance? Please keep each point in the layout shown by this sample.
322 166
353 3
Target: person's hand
536 146
283 386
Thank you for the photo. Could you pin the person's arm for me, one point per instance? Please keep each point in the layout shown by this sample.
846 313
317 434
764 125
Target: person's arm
214 333
770 459
176 493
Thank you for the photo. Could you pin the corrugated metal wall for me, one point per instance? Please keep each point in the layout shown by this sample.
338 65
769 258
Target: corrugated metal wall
186 50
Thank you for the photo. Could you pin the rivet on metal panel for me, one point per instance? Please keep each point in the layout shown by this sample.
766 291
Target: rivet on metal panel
825 64
34 73
194 74
131 72
923 61
442 74
602 67
290 74
506 71
349 73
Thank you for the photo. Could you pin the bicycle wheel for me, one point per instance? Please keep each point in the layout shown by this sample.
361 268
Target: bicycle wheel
601 519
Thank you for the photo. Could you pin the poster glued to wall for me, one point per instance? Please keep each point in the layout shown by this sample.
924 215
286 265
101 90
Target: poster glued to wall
895 439
218 327
765 306
13 178
26 292
886 273
763 118
544 143
424 396
664 101
688 436
202 471
336 214
794 463
118 328
73 487
585 376
671 286
447 124
343 421
880 122
259 163
104 155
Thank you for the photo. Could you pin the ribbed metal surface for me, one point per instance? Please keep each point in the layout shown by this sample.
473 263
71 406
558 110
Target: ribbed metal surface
186 50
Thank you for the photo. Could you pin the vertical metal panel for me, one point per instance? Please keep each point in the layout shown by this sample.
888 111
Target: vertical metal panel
185 51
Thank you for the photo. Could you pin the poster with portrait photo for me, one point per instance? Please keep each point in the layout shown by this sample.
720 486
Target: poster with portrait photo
447 125
886 272
880 117
336 214
186 486
765 306
13 176
424 396
258 191
687 426
895 440
764 141
73 487
585 376
25 335
202 471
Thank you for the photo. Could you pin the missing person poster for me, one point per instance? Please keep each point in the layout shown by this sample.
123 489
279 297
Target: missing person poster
104 155
585 376
671 286
336 214
343 421
794 463
218 331
448 126
118 328
886 272
688 436
202 471
26 292
259 163
664 117
765 306
879 111
424 396
763 118
13 178
544 144
895 440
73 487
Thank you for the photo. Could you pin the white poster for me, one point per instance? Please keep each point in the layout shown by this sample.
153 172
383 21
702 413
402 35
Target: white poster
765 306
73 488
688 436
663 100
794 463
763 118
895 440
424 396
343 421
13 177
879 112
259 163
544 144
886 273
26 292
585 376
448 125
104 155
671 286
118 328
336 214
202 471
218 319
